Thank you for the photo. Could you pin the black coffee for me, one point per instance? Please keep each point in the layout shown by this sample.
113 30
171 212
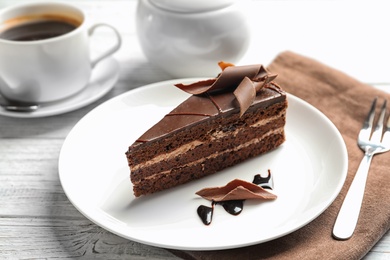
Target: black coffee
37 30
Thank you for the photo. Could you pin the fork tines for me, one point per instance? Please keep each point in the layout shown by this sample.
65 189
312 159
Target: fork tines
380 132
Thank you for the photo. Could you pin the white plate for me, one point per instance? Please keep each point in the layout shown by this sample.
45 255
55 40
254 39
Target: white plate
103 78
309 170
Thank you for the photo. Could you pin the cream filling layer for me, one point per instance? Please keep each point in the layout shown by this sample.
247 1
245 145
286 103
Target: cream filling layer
214 155
189 146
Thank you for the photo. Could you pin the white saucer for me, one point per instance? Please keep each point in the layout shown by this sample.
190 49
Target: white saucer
103 78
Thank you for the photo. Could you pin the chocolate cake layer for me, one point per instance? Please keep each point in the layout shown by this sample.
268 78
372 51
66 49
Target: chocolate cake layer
211 165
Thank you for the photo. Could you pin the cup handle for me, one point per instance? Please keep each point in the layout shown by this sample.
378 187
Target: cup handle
111 50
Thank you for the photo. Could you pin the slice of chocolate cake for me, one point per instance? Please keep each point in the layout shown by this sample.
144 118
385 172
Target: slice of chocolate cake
227 120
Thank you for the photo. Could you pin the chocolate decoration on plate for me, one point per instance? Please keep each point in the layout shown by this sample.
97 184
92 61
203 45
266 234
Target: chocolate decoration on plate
233 195
234 190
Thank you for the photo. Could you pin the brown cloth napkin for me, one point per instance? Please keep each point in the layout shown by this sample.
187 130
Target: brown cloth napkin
345 101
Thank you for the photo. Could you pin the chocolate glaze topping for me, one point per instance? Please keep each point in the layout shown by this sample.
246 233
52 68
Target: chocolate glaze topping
236 88
198 108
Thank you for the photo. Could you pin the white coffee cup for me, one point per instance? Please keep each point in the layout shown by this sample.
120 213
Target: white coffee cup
47 68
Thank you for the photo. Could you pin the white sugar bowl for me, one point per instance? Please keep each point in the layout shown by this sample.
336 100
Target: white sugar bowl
188 38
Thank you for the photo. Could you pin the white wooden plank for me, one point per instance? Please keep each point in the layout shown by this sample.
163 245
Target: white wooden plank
59 238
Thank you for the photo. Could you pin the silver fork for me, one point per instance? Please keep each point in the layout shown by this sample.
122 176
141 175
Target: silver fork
371 144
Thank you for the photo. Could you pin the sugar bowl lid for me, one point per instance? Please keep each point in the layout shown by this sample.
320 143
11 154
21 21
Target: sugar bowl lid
185 6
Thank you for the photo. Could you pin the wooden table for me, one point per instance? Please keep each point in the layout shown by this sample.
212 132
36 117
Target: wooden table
36 218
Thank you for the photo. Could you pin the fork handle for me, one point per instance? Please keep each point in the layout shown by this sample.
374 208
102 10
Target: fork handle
349 213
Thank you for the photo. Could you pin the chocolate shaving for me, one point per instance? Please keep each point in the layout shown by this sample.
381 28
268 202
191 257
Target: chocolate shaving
236 190
243 81
245 93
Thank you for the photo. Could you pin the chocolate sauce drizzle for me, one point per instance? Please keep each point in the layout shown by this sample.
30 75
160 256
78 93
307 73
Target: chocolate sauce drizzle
214 103
264 182
188 114
233 207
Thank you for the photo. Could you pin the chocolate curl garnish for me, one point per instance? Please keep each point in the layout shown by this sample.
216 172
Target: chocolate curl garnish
245 93
243 81
236 190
